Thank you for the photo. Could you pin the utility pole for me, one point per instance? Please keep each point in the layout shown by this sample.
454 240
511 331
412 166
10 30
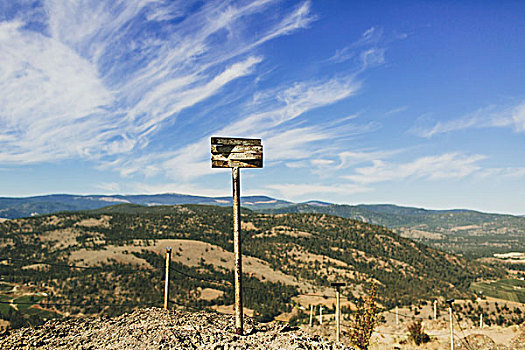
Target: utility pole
321 315
397 315
449 302
338 286
435 310
481 321
311 315
236 153
167 277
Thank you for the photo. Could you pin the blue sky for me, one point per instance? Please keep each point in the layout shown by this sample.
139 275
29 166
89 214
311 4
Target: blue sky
418 103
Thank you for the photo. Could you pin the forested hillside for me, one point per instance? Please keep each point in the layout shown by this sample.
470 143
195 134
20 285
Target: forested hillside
120 254
458 231
467 232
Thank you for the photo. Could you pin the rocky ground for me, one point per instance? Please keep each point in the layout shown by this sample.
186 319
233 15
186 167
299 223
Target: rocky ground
155 328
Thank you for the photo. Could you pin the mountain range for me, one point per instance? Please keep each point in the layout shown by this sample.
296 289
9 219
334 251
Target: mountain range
457 230
111 260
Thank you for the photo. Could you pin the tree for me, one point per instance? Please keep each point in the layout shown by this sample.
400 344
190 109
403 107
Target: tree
417 334
365 320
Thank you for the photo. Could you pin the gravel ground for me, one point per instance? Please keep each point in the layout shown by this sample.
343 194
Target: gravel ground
156 328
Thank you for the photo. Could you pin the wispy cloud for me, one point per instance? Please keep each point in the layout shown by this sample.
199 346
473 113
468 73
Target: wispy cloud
351 158
98 80
445 166
369 39
282 141
502 173
302 191
489 117
109 187
172 187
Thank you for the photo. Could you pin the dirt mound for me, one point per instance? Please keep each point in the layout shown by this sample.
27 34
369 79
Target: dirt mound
483 342
155 328
518 342
477 341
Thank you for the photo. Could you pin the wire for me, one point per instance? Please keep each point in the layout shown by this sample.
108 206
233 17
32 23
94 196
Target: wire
71 304
107 268
193 277
465 342
403 315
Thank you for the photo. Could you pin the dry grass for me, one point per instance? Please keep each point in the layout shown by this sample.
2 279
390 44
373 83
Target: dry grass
229 310
190 253
118 254
63 238
103 221
210 294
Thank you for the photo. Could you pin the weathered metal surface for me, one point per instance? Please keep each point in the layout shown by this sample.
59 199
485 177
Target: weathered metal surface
236 182
215 149
235 141
236 156
236 164
236 153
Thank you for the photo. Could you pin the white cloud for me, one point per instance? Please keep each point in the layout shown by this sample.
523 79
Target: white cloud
92 85
299 191
501 173
370 38
280 142
350 158
179 188
52 99
490 117
445 166
109 187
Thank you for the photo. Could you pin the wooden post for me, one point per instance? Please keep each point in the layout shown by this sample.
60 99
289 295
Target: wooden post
435 310
167 277
449 302
235 153
451 329
321 315
338 315
397 315
236 182
311 315
481 321
337 286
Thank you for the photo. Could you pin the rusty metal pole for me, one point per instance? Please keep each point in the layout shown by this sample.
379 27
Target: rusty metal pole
167 277
236 181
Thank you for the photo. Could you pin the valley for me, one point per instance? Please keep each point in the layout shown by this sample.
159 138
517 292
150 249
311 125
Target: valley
109 261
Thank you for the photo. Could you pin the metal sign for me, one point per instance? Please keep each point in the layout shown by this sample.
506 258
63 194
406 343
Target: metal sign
236 153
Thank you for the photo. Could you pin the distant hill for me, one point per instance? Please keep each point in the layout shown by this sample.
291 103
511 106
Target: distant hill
12 208
459 231
289 258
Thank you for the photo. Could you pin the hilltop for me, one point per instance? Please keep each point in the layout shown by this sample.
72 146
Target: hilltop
18 207
161 329
458 231
290 259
